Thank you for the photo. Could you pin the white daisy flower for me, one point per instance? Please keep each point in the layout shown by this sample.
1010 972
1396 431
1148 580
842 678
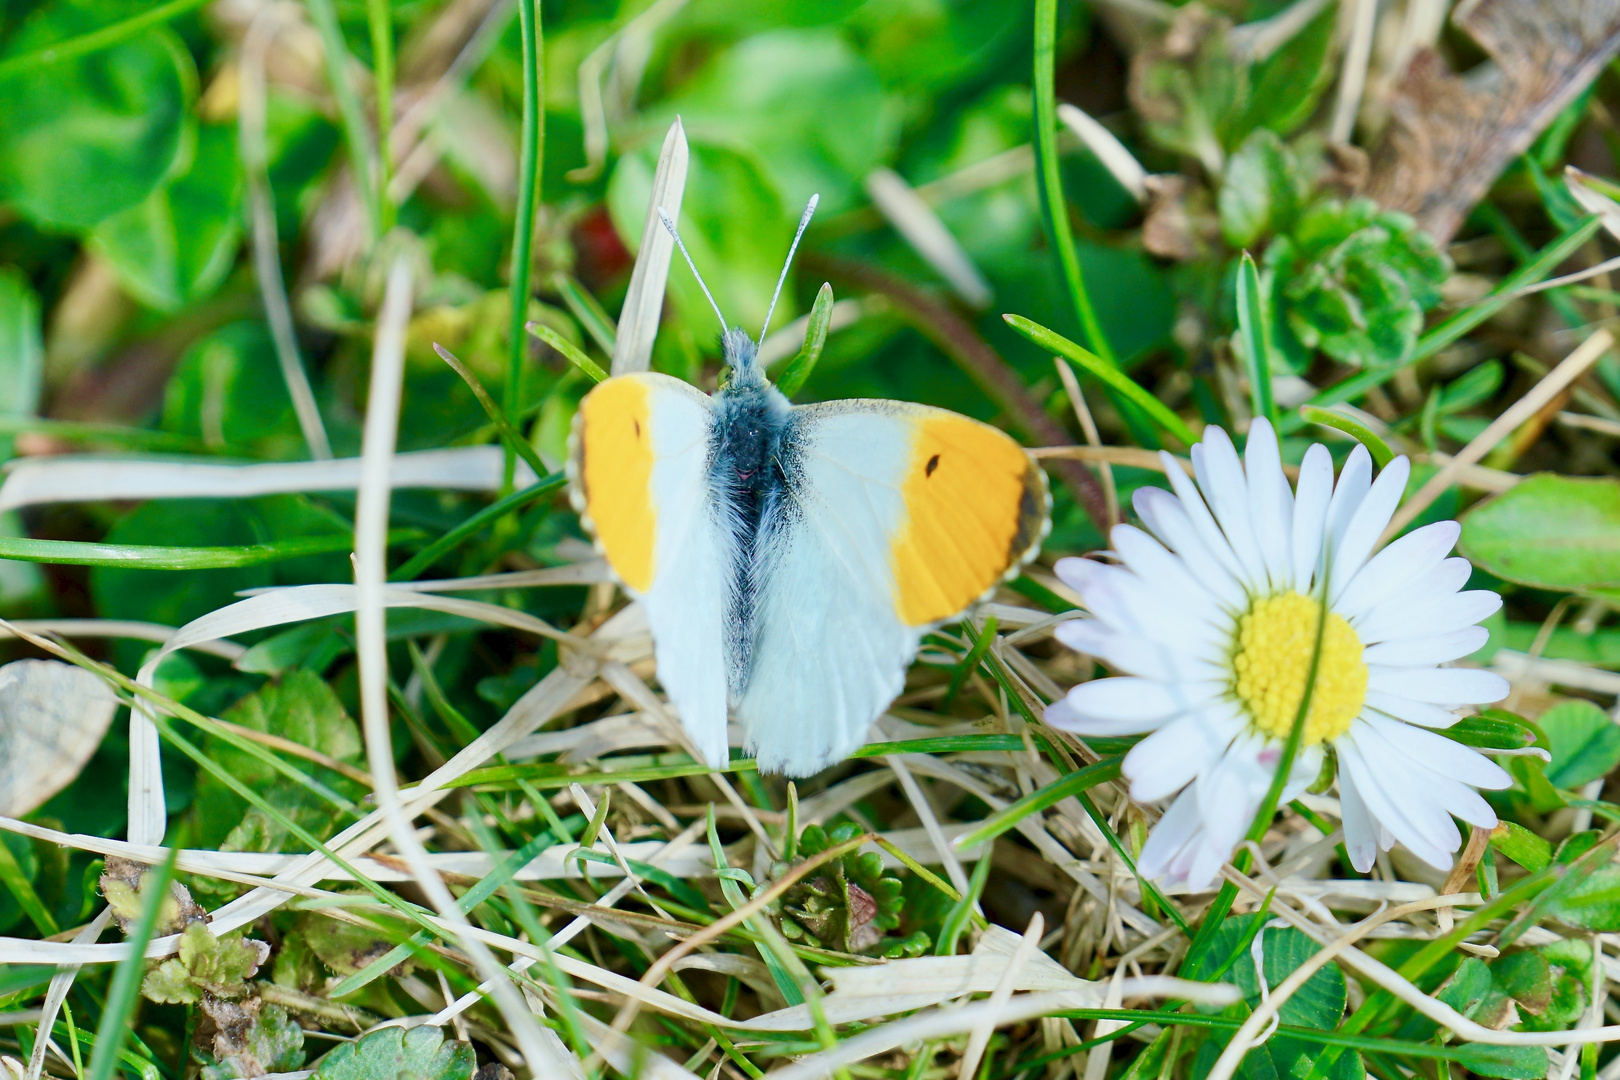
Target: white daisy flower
1213 619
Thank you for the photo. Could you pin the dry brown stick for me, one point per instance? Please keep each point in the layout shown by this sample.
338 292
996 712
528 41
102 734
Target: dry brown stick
957 339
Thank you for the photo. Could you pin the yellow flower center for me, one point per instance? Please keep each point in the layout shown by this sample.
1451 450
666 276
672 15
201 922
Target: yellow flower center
1272 664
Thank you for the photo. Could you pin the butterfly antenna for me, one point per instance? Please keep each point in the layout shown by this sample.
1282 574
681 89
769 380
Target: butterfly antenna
663 215
804 221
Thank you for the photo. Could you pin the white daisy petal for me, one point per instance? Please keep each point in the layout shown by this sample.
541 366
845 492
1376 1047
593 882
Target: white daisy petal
1132 654
1431 797
1426 830
1367 524
1440 754
1198 514
1060 714
1149 560
1167 760
1075 573
1360 831
1230 793
1439 686
1422 616
1164 514
1427 651
1129 604
1220 475
1310 514
1354 480
1413 712
1179 826
1405 560
1271 503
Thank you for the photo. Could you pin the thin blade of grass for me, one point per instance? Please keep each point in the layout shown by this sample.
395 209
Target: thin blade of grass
509 434
147 557
1103 370
1041 799
96 40
585 308
356 132
570 351
531 149
1381 453
488 515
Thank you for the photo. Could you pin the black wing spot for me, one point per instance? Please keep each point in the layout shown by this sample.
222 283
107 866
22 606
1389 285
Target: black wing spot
933 463
638 427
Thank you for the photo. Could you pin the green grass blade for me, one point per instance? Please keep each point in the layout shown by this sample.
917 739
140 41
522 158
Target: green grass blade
380 19
1253 330
151 557
514 439
1110 375
584 308
431 554
356 132
531 152
570 351
970 663
799 368
1050 182
1041 799
1366 436
13 878
961 912
124 993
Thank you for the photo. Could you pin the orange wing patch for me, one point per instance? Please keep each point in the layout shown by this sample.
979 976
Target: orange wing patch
976 506
615 466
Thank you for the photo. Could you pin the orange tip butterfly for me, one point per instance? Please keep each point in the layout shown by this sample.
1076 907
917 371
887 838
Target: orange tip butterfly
790 558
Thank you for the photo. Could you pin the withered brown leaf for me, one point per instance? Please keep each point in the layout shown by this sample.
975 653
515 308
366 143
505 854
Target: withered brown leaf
1450 136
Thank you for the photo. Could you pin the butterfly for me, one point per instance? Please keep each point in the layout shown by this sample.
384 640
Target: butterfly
790 558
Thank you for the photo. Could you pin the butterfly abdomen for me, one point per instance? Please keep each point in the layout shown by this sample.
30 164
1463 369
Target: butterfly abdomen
748 484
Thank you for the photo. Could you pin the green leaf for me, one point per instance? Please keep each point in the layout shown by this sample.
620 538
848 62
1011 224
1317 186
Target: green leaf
1493 730
96 135
250 1043
1252 337
1583 741
1381 453
1521 845
217 966
1354 280
1510 1062
774 92
22 352
1260 192
815 337
178 244
1552 532
228 391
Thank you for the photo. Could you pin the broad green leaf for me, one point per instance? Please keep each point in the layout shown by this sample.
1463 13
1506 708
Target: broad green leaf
1260 192
777 93
89 137
178 244
390 1053
228 390
1509 1062
1552 532
1521 845
1583 741
1492 730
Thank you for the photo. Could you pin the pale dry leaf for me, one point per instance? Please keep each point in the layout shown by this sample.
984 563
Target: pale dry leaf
52 718
1450 136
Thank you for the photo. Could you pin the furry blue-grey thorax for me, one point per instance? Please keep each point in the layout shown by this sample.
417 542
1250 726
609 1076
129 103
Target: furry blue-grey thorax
751 467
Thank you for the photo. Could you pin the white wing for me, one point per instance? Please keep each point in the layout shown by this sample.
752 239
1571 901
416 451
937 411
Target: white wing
625 424
830 652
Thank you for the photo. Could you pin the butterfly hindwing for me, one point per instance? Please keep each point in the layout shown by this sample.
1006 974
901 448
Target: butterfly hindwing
638 461
898 518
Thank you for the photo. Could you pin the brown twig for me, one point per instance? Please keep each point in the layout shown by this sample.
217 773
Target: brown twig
957 339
